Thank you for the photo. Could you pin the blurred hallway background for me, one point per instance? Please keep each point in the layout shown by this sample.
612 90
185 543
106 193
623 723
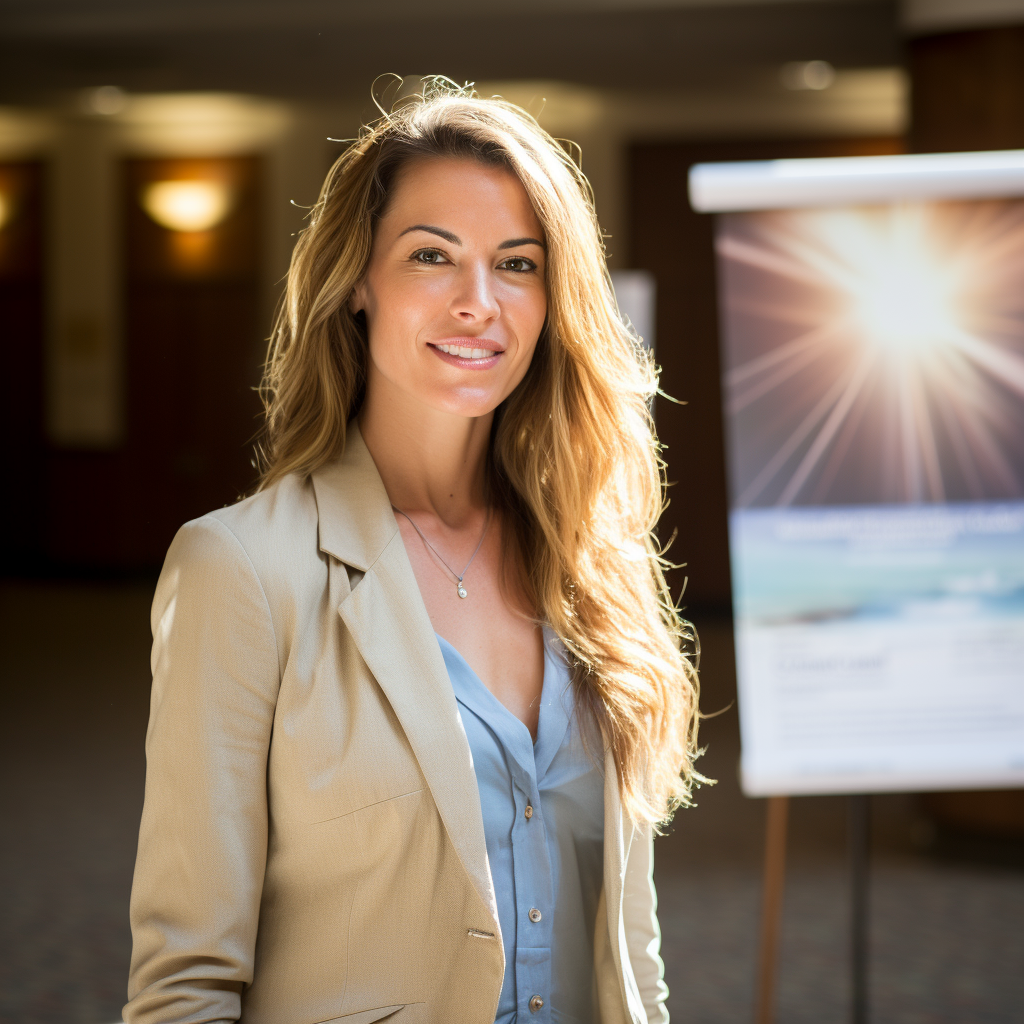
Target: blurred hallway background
134 339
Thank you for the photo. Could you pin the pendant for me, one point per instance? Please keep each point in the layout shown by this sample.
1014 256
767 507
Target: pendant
461 590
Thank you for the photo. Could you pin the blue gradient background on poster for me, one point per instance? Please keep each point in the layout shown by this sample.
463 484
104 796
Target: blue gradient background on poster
807 564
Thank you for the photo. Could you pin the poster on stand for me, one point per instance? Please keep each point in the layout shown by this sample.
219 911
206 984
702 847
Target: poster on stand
872 336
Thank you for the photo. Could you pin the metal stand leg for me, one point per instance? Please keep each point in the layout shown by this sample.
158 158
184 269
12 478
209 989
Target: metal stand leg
771 907
859 833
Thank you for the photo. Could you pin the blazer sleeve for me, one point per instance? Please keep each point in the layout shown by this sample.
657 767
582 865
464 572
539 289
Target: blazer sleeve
643 934
203 839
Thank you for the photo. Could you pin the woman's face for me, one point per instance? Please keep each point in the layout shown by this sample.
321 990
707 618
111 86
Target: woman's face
454 292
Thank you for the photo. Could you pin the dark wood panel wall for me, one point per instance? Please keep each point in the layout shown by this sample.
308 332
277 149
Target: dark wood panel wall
967 90
22 231
193 330
676 245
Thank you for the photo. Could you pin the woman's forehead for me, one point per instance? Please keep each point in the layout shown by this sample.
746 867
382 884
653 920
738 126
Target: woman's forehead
478 197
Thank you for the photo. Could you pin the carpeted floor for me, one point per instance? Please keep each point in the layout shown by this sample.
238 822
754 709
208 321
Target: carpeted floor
947 935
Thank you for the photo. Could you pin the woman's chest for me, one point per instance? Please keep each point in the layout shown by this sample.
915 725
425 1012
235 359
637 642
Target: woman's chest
492 626
549 782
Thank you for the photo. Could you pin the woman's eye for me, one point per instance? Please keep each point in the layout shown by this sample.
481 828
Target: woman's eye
519 264
429 256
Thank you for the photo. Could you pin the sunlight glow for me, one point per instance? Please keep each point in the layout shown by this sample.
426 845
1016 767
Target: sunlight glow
876 353
903 300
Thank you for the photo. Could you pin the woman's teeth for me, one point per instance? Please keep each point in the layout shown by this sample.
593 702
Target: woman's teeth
466 353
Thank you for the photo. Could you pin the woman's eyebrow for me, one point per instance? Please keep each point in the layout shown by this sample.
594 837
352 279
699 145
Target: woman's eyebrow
448 236
514 243
440 232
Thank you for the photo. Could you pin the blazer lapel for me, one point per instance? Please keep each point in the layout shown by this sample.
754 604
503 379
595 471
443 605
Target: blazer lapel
388 621
619 835
616 850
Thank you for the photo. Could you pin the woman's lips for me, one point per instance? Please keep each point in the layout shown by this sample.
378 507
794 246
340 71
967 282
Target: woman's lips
469 353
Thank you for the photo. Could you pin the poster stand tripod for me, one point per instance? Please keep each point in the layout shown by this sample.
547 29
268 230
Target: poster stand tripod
771 907
859 831
858 818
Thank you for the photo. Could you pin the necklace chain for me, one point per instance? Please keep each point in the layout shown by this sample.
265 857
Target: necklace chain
459 588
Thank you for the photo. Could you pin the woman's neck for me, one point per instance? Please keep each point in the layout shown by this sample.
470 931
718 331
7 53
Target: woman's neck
430 461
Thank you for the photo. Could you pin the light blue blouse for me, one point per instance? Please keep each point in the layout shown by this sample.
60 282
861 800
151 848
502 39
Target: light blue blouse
543 812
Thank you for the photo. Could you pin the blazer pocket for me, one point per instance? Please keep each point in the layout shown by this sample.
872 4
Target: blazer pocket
366 807
365 1016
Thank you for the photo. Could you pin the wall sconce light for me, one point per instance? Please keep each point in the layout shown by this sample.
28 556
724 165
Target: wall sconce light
6 210
184 205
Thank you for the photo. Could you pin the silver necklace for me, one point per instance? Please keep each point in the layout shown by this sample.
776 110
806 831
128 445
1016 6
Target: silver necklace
459 588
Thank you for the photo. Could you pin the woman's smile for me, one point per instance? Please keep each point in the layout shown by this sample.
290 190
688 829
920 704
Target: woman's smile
470 353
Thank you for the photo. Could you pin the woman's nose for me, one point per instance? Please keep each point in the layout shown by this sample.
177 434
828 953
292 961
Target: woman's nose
475 298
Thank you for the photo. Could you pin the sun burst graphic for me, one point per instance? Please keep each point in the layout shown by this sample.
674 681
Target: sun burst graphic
875 354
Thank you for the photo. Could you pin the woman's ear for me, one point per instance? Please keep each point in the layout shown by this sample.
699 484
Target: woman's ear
357 300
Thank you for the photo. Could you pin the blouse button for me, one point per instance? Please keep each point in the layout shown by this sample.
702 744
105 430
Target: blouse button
528 813
534 915
536 1003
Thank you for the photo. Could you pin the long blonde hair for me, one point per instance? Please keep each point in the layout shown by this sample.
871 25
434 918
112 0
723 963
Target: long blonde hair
574 464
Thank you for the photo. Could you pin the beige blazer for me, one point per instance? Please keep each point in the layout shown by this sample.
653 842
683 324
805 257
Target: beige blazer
312 847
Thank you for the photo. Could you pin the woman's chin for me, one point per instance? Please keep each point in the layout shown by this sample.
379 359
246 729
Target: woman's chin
469 406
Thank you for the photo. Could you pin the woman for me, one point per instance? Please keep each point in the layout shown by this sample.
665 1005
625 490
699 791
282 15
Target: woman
419 703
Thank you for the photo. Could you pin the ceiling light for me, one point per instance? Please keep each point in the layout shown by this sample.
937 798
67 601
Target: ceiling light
187 205
107 100
808 74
